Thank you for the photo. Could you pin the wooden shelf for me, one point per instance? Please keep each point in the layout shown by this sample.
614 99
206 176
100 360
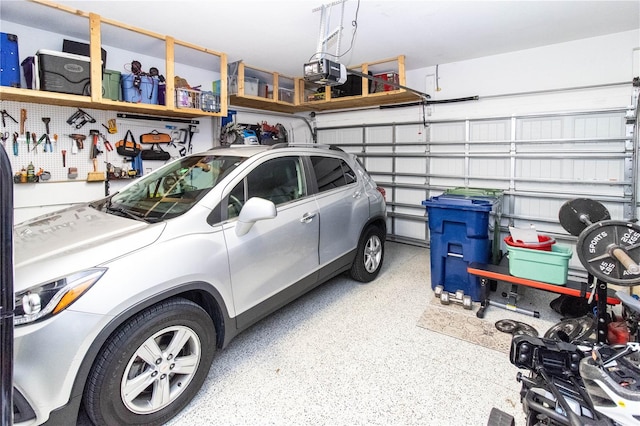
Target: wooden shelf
257 102
61 99
373 99
299 104
96 26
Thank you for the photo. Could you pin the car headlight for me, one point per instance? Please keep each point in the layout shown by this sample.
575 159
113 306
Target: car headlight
42 301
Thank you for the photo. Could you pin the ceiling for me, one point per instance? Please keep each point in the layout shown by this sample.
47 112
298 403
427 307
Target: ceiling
281 35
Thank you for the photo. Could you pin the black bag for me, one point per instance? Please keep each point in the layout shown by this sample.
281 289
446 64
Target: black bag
128 148
155 153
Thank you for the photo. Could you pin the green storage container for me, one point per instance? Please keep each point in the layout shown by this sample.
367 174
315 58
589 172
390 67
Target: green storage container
111 88
547 266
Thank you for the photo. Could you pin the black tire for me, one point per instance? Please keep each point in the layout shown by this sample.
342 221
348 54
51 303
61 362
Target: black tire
152 329
369 255
500 418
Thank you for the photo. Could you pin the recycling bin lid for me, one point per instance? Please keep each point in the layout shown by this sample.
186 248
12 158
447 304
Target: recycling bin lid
458 203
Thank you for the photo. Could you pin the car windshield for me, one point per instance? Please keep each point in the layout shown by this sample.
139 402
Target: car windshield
172 190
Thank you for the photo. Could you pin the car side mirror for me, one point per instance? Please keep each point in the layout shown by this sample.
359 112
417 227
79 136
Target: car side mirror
254 209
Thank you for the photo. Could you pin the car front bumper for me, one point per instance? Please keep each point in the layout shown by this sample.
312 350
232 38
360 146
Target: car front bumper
47 358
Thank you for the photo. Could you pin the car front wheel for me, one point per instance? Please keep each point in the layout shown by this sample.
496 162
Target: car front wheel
369 256
152 366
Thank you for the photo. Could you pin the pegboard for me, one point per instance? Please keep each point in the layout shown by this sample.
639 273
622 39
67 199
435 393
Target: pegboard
52 161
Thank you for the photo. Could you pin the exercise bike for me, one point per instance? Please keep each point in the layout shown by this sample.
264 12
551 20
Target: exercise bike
575 378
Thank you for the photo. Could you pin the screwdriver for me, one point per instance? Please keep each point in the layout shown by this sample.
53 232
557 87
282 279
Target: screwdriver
64 158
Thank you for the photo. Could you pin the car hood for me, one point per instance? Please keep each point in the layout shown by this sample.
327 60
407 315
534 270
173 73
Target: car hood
73 239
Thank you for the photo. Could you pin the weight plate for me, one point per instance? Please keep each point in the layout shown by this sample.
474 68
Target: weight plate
595 249
575 215
577 329
506 325
523 328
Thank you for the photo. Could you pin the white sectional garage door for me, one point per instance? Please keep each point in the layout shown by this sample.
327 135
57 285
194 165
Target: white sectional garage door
538 161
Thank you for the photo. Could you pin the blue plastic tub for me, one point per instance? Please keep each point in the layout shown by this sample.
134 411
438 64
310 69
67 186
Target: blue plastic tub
148 93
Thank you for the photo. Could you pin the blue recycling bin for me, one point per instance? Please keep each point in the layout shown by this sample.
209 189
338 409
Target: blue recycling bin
459 235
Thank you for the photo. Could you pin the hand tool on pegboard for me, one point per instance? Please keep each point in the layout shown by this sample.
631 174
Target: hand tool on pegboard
4 136
35 144
107 145
95 151
64 158
23 118
80 118
5 114
79 142
46 121
15 143
111 126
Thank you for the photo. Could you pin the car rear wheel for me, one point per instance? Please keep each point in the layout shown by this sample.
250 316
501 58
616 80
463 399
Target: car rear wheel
369 256
152 366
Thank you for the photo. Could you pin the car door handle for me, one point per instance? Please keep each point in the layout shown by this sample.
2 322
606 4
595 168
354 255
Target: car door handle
357 194
307 217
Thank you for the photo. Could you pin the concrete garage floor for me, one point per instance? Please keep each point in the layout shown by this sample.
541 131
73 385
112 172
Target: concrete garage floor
351 354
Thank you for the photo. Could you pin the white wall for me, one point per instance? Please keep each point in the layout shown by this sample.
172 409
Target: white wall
498 80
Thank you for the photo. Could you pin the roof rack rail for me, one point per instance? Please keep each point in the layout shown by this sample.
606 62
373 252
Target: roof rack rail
306 145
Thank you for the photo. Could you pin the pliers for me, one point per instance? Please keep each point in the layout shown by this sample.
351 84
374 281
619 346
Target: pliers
106 143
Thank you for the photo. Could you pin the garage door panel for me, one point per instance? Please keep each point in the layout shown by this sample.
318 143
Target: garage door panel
447 166
377 135
493 167
410 229
539 128
411 165
375 164
447 132
340 136
442 148
409 196
409 133
498 130
599 126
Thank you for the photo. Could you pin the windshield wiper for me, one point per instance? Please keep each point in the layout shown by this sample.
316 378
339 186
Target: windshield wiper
125 212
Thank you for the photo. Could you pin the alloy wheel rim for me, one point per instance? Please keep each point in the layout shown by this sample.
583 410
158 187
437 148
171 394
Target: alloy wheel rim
160 370
372 254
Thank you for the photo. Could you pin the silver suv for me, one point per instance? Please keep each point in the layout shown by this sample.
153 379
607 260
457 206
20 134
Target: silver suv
122 302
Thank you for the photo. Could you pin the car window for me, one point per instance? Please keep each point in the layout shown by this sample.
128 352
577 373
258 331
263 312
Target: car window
280 180
332 173
175 188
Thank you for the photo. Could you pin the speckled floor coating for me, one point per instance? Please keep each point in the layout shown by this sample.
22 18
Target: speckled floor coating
352 354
